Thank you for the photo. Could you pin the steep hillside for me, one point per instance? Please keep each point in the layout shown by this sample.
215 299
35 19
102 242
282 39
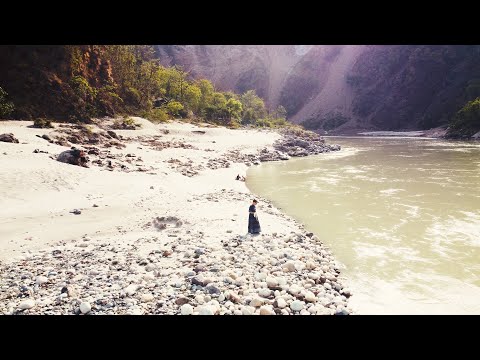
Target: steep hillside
39 79
346 87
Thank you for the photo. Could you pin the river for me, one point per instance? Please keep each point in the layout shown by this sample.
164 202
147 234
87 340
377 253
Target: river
402 216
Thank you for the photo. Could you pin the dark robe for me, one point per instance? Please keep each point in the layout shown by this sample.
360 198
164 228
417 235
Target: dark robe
253 224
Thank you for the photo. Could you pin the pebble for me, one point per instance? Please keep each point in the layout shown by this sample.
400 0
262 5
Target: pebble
131 289
271 282
27 304
281 303
256 302
182 300
186 309
310 296
290 266
246 311
264 292
296 305
41 280
147 297
205 310
266 310
85 307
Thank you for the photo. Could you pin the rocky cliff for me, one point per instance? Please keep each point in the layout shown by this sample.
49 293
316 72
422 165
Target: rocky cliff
342 88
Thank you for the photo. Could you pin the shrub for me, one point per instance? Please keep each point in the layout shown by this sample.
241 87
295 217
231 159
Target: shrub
6 107
174 108
127 123
466 121
156 115
42 123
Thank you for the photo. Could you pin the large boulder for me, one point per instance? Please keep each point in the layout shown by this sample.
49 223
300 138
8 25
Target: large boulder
74 156
8 138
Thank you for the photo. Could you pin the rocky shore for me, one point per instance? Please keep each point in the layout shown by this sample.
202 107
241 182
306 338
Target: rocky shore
180 244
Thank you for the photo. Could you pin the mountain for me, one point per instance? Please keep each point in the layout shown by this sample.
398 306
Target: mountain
342 88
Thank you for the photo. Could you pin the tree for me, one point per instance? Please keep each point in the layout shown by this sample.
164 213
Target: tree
234 108
6 107
466 122
253 107
174 107
193 95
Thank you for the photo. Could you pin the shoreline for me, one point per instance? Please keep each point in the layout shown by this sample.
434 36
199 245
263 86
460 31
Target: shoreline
162 229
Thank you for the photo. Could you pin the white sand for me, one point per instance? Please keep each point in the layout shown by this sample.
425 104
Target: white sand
112 259
38 193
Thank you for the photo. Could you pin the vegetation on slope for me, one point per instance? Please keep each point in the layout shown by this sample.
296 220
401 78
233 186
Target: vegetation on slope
80 82
466 121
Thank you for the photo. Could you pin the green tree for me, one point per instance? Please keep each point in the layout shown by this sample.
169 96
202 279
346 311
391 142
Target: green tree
253 107
466 122
174 108
6 107
234 108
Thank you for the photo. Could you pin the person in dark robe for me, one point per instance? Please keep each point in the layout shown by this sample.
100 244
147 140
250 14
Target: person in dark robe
253 223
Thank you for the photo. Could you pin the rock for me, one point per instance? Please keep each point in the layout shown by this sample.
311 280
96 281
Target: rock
342 312
200 280
289 266
310 296
294 290
205 310
131 289
260 276
147 297
246 311
256 302
271 282
149 267
76 212
296 305
186 309
238 312
85 307
41 280
199 268
74 157
310 234
70 291
327 286
182 300
304 312
9 138
266 310
212 289
264 293
113 134
95 205
199 251
233 297
200 299
281 303
27 304
221 298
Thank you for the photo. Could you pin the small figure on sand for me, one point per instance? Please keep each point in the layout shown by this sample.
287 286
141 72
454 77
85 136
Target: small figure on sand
253 223
241 178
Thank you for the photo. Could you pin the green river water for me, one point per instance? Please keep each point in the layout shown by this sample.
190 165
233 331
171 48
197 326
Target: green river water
402 216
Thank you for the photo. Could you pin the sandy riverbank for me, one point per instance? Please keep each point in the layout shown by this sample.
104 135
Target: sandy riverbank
153 241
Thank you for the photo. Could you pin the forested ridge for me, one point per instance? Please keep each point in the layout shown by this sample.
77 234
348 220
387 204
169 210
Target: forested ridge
76 83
